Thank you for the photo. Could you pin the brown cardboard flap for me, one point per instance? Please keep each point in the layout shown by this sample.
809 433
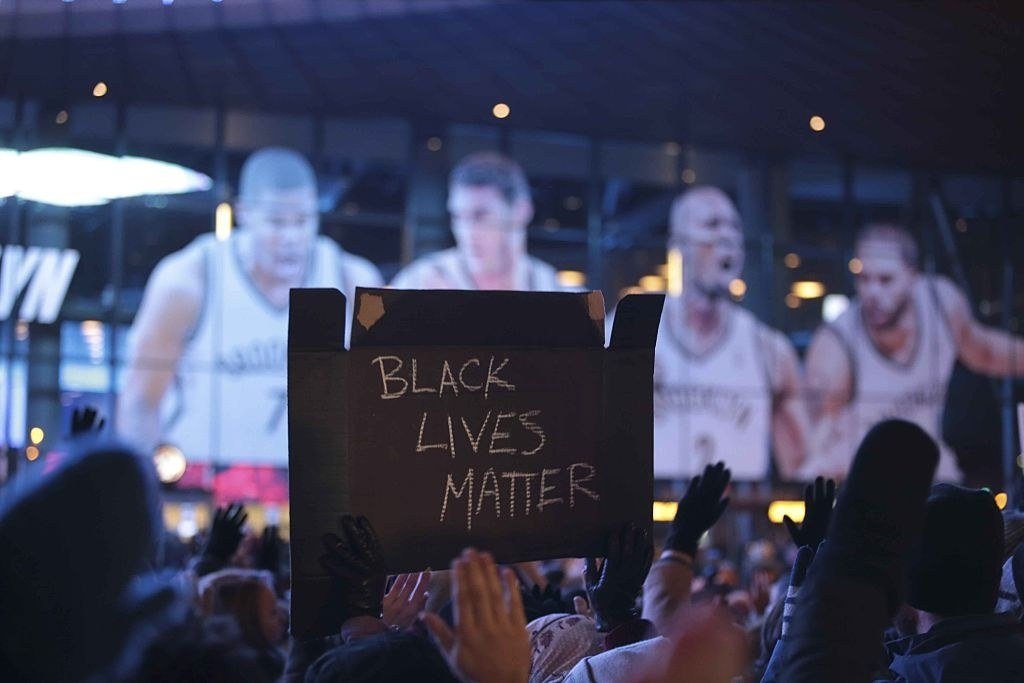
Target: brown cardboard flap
636 321
428 318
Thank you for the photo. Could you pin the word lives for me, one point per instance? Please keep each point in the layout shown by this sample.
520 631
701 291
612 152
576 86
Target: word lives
486 428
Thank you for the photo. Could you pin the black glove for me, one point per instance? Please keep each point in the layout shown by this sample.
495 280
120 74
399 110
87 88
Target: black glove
613 588
226 532
269 556
356 562
699 509
86 420
819 498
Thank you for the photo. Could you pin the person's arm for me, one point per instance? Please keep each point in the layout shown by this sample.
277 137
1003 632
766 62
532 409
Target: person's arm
829 386
829 375
667 589
169 311
789 412
855 584
613 589
984 349
489 642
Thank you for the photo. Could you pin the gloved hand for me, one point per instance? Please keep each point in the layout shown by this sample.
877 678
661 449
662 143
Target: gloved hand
86 420
269 556
699 509
819 499
613 588
356 562
225 532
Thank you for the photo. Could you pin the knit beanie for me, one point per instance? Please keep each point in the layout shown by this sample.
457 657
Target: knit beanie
956 566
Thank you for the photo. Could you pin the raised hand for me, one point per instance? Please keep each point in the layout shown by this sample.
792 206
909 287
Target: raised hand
226 532
489 643
269 555
86 420
406 599
819 499
614 587
355 559
699 509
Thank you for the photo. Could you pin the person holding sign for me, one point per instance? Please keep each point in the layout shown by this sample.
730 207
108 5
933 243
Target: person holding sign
490 206
725 384
891 353
206 365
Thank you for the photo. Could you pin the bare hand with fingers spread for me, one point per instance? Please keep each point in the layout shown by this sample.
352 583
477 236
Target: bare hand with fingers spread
489 643
406 599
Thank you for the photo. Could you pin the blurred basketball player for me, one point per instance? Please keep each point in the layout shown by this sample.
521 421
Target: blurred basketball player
891 353
726 386
490 207
208 353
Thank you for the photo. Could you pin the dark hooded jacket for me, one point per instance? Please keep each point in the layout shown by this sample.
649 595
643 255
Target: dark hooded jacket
985 647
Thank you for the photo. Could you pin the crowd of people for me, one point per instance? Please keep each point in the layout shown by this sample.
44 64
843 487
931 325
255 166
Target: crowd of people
892 578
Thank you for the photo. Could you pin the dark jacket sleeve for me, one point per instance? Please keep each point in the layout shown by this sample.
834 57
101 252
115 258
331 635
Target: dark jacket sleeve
854 586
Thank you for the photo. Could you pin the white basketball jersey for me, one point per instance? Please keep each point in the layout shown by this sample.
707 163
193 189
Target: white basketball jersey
714 406
884 388
229 399
447 270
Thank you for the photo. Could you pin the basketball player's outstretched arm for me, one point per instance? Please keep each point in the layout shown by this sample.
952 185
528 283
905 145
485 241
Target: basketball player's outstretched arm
789 413
984 349
169 311
829 388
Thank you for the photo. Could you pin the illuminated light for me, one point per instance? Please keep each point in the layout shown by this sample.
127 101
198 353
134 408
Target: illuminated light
168 3
501 110
738 288
855 266
1001 500
92 328
675 272
571 278
99 90
572 203
1020 460
808 289
61 118
36 435
665 510
792 260
64 176
434 144
21 330
792 300
32 453
961 225
652 283
689 176
222 222
672 149
169 462
817 123
834 306
794 509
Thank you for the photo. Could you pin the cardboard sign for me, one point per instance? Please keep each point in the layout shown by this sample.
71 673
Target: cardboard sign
492 419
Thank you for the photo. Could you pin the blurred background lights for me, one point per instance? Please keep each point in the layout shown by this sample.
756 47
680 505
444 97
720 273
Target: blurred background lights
170 463
64 176
571 278
808 289
501 110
